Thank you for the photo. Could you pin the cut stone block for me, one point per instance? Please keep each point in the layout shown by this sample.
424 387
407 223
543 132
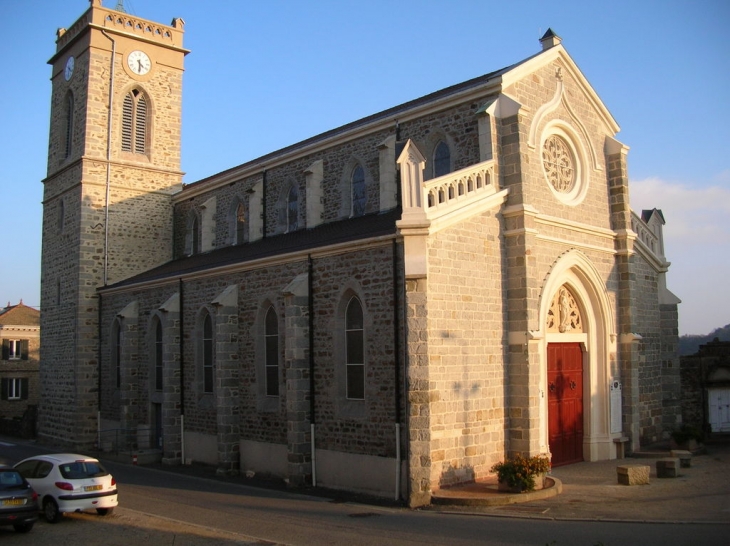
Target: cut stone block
685 457
667 468
633 474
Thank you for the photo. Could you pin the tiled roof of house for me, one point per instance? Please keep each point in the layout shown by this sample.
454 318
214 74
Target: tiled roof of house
19 315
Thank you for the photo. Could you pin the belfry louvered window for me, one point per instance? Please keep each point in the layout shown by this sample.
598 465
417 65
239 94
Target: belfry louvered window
134 122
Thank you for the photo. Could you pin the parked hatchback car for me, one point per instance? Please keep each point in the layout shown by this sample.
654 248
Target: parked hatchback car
18 501
68 482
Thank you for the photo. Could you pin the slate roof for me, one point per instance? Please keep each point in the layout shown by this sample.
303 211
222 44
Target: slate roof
390 113
19 315
331 233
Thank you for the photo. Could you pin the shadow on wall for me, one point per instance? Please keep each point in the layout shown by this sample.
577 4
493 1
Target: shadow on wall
452 475
20 427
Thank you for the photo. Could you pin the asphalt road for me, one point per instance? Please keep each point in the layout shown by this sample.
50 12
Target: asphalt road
159 507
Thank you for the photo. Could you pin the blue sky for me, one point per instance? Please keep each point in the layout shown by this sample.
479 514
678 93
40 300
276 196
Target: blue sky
263 75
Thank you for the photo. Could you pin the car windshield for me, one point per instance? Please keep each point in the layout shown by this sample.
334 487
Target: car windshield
79 470
10 479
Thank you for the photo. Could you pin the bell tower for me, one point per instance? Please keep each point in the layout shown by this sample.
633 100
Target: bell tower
113 165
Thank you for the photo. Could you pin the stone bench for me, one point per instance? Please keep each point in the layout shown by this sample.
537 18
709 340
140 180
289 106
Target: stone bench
667 467
621 446
685 457
633 474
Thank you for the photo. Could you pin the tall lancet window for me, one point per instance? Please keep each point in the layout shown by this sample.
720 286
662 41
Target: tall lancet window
69 125
441 160
292 210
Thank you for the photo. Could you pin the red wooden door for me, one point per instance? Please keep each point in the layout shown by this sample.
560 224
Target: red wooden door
565 402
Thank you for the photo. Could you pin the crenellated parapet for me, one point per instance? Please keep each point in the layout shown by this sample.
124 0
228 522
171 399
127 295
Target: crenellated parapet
118 22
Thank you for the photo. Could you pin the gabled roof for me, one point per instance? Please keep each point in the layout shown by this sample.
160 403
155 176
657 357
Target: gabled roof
19 315
646 215
350 230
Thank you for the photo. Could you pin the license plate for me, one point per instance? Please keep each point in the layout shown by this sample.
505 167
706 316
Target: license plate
13 502
92 487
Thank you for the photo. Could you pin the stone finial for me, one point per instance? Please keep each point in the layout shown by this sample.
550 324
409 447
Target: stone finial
550 39
60 32
178 22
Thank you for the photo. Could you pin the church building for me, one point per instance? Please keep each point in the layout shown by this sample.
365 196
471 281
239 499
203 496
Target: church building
388 307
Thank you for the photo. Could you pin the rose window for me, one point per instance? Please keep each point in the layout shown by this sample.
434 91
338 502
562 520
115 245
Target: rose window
557 160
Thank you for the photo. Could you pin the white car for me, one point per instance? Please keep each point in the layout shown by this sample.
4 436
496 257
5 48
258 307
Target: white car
68 482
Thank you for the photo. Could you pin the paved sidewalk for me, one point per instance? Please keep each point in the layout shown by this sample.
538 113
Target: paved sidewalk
590 491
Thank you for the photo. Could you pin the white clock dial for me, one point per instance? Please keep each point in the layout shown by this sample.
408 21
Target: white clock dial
69 70
139 63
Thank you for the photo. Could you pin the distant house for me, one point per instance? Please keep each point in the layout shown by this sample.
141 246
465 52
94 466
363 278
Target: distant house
705 379
20 338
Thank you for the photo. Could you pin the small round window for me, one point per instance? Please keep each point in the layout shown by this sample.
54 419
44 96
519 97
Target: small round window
559 164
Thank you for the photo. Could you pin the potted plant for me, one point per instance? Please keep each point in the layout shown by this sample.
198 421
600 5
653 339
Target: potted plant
687 437
519 474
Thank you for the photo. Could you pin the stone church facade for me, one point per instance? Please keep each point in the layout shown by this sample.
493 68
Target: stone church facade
389 307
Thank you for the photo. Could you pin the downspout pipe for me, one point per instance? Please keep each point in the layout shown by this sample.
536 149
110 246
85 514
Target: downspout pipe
312 390
105 267
98 374
110 119
181 335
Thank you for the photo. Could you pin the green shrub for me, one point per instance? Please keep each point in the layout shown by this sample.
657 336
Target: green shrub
519 472
686 433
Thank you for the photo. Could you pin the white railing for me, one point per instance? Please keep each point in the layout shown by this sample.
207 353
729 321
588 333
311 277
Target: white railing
646 235
459 188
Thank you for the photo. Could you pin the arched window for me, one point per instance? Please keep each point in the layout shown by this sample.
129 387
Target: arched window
159 366
194 234
134 122
69 125
272 353
240 224
292 210
207 354
441 159
359 197
355 350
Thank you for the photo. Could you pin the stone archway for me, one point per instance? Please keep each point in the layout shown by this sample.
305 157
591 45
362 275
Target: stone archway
575 311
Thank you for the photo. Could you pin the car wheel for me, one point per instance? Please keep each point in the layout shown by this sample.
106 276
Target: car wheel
51 511
104 511
23 527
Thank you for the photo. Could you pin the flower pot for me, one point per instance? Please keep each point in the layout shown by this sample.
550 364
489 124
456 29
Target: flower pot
540 480
507 488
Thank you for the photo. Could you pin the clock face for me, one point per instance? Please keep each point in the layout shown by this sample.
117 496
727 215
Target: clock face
139 63
69 70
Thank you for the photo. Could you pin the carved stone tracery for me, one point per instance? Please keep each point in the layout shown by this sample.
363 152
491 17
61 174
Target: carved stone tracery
557 160
564 315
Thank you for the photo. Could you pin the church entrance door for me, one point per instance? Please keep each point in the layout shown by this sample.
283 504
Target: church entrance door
565 402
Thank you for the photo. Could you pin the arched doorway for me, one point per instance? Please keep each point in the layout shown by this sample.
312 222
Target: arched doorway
577 348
